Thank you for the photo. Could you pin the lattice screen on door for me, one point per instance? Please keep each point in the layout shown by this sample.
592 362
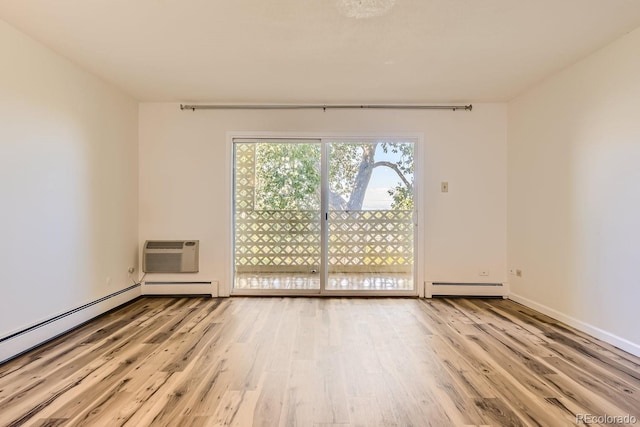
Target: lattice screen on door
373 241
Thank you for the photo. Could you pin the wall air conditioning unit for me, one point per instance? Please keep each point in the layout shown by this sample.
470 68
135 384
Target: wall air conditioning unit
170 256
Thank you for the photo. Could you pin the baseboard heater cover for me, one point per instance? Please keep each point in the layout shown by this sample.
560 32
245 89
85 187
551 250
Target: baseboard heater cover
177 283
468 289
174 287
465 284
24 340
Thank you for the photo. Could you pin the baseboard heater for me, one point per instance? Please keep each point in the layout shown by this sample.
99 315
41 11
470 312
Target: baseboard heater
180 288
466 289
19 342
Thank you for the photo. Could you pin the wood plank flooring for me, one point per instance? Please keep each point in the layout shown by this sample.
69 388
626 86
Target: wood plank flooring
319 362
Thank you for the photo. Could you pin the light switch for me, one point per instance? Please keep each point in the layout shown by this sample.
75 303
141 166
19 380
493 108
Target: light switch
444 187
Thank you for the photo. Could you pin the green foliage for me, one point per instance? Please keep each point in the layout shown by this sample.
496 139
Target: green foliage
344 163
405 150
402 198
287 176
402 194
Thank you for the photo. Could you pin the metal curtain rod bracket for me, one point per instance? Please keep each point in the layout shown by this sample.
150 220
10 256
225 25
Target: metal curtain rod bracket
323 107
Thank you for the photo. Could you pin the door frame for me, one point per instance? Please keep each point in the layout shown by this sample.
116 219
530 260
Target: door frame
324 137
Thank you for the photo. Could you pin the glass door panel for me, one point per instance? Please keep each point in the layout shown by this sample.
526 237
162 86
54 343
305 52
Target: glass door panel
277 215
370 216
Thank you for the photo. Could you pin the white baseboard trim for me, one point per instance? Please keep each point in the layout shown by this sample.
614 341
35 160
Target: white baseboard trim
22 341
594 331
180 288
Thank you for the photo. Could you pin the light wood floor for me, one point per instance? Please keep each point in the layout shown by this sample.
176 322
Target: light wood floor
319 362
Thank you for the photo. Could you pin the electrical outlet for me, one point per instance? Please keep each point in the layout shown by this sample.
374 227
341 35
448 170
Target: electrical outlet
519 273
444 187
483 273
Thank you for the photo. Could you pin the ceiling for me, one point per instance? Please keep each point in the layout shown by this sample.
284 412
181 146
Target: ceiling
306 51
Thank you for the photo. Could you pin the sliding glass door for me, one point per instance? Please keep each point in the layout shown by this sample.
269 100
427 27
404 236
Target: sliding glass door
370 216
323 216
277 215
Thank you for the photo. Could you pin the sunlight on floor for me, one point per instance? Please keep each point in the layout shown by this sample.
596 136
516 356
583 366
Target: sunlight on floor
338 281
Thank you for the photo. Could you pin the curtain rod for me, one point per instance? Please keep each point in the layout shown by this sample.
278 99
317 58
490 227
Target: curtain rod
195 107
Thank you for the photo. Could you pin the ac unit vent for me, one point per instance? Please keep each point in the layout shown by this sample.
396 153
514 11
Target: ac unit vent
163 263
165 245
171 256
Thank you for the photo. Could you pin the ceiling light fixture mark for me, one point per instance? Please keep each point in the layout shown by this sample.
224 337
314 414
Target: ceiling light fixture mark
362 9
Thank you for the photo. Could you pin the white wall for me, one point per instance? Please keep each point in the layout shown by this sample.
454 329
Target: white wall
68 184
574 194
185 180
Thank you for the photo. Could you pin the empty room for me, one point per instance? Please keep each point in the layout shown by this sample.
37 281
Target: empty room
319 213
